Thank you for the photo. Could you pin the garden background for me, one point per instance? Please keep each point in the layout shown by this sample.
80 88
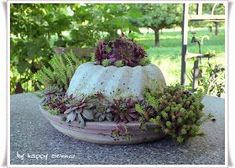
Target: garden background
39 32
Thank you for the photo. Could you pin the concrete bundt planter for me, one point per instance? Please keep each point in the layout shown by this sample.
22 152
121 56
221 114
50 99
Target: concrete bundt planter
103 132
114 83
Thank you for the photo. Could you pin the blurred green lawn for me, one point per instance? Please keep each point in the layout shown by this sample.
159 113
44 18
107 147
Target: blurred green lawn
168 55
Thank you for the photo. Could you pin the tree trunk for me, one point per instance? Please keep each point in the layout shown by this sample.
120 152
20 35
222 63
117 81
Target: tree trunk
210 28
157 38
216 28
18 88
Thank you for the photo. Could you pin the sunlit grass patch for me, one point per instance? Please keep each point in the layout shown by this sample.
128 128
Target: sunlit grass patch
168 55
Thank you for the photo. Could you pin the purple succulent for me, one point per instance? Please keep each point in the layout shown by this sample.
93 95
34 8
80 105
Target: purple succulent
121 49
123 110
101 52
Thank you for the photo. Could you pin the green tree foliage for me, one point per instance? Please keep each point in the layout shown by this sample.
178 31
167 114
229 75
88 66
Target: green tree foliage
37 29
158 16
108 19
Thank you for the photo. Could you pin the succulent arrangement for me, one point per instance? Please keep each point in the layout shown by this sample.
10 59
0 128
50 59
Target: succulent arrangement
176 111
120 52
90 108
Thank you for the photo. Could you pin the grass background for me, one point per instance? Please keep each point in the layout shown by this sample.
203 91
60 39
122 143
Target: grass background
168 55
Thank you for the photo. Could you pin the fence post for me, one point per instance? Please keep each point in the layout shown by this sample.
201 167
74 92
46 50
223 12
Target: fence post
184 42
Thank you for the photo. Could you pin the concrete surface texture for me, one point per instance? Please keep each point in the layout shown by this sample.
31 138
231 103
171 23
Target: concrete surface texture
34 141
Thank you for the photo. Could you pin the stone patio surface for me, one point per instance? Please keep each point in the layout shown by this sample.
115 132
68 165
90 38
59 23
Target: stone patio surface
34 141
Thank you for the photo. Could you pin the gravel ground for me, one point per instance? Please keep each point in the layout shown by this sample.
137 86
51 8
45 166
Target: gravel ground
34 141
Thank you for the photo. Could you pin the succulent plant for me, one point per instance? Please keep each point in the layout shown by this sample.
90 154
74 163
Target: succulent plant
145 110
106 62
121 130
103 116
99 105
177 111
144 61
101 53
54 98
120 52
119 63
54 111
76 103
76 111
91 108
51 92
101 113
123 110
